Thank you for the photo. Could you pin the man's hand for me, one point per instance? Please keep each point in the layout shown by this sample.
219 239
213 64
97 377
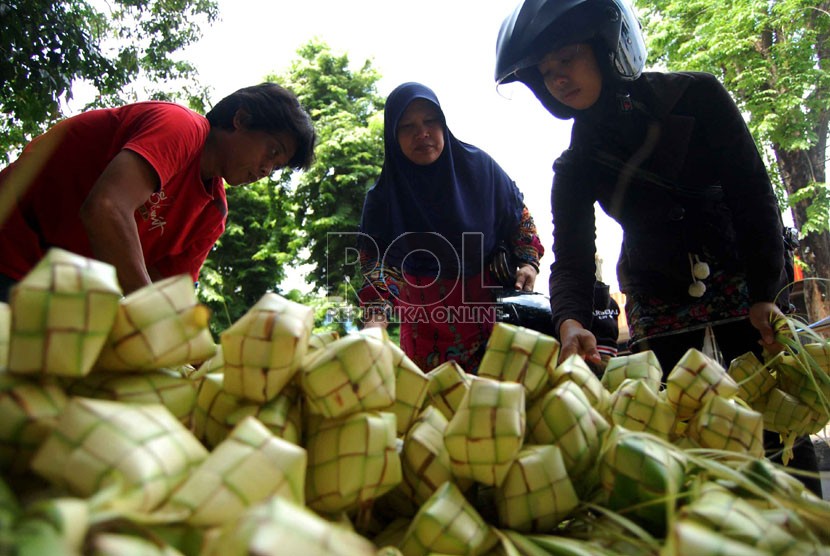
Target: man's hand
525 278
576 340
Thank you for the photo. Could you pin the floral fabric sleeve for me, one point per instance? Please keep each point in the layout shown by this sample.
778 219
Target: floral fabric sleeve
381 285
527 248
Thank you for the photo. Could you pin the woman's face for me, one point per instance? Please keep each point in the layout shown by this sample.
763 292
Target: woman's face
572 75
421 132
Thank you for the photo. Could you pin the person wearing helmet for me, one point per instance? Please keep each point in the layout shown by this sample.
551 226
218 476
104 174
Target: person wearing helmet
439 211
669 157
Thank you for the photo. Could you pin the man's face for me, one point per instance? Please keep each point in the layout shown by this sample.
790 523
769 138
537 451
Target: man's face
252 155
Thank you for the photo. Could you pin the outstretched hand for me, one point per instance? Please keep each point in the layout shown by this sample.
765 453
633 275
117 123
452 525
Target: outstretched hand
576 340
526 278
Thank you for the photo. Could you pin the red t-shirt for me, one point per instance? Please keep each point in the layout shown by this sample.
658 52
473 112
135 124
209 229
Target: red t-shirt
177 226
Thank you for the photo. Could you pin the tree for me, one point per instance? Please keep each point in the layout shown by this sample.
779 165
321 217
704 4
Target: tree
774 58
251 256
344 106
46 48
305 218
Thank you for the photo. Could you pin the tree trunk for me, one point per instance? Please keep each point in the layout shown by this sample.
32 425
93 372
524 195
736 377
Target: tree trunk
800 169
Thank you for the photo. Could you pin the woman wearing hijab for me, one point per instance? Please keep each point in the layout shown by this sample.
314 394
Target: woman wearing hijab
431 224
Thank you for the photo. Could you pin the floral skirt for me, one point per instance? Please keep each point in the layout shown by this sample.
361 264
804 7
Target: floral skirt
446 320
726 298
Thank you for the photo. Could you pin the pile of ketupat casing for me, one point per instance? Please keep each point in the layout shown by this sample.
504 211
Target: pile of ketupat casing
125 429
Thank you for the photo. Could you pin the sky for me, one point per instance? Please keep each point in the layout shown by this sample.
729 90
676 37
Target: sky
448 45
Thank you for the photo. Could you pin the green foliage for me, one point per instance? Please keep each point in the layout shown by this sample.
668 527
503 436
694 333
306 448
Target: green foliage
311 216
49 47
773 57
344 106
766 54
817 198
249 259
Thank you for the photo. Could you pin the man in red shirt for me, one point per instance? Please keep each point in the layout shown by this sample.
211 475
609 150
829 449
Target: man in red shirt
142 186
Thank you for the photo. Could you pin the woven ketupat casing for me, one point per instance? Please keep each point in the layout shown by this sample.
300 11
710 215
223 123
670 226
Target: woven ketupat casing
159 325
97 443
279 526
643 365
447 524
635 406
693 380
62 313
487 431
520 355
29 410
264 349
448 384
537 493
752 377
565 417
351 460
349 375
723 424
249 466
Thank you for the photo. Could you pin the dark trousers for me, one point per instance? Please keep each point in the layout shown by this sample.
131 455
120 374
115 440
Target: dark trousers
734 339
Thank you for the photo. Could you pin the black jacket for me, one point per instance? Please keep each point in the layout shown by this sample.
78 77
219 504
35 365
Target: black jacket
670 158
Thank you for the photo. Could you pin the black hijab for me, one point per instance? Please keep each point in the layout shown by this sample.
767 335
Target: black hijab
418 214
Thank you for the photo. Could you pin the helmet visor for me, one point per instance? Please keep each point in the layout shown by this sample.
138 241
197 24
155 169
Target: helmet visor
629 57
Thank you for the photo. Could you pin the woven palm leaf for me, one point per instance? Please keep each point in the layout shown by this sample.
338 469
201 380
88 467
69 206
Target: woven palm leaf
687 536
29 410
575 369
643 365
71 518
319 340
214 405
143 448
351 460
487 431
448 384
117 544
807 377
723 511
214 364
350 375
636 406
282 415
159 325
724 424
694 379
163 387
752 377
565 417
263 350
642 476
424 459
522 355
62 312
279 526
447 524
411 384
249 466
537 493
